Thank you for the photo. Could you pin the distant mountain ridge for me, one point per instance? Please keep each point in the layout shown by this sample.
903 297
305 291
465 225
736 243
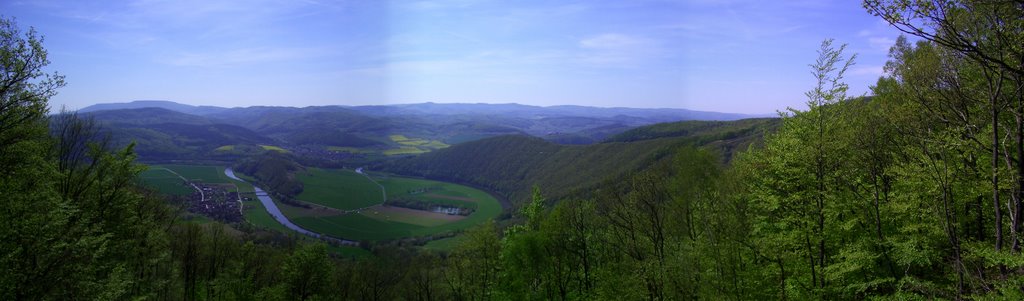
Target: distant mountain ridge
164 134
430 108
163 104
166 130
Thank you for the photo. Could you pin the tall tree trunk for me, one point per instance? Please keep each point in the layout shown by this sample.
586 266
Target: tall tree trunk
810 258
782 277
995 181
1019 196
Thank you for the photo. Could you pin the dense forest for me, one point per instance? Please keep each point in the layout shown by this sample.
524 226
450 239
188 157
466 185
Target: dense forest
274 170
914 193
510 165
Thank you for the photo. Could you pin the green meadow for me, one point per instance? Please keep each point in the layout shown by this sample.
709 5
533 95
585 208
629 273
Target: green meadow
339 189
346 190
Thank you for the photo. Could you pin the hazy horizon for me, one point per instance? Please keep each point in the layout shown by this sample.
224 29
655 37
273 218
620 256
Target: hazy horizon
723 56
402 103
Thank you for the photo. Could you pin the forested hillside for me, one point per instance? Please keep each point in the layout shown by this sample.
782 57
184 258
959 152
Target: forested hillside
165 135
275 171
327 132
511 165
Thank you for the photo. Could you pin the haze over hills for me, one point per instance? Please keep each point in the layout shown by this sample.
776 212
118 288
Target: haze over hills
138 104
430 108
503 147
176 131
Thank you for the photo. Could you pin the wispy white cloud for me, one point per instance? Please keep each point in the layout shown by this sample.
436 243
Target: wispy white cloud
616 49
438 4
617 45
874 70
881 43
243 56
612 41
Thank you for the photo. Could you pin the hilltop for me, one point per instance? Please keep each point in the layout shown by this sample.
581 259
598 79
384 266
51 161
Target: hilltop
365 133
510 165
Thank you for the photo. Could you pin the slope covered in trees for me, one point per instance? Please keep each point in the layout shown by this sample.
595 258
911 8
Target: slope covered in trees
162 135
510 165
275 171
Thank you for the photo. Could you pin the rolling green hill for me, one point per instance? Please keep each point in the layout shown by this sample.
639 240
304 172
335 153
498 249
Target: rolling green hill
339 135
710 130
142 116
162 135
510 165
275 172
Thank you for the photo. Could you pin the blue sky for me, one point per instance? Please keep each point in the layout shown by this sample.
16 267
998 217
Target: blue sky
730 56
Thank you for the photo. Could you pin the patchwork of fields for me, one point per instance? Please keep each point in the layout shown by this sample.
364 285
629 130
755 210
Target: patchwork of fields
338 189
348 205
399 145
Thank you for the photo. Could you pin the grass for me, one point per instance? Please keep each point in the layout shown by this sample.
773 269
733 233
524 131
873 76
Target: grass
398 187
165 182
487 207
412 146
404 150
369 226
357 227
407 216
256 214
449 202
321 186
202 173
405 146
342 188
416 142
273 148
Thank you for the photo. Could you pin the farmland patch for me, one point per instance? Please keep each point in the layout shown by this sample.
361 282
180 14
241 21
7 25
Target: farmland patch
339 189
410 216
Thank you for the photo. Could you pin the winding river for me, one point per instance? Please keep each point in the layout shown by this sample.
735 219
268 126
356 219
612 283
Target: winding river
276 212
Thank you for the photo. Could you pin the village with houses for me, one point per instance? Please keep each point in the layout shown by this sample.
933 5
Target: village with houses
217 201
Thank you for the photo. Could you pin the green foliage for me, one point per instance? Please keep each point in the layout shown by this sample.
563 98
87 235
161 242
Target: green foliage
306 272
511 165
163 135
24 86
711 130
275 172
72 223
444 244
